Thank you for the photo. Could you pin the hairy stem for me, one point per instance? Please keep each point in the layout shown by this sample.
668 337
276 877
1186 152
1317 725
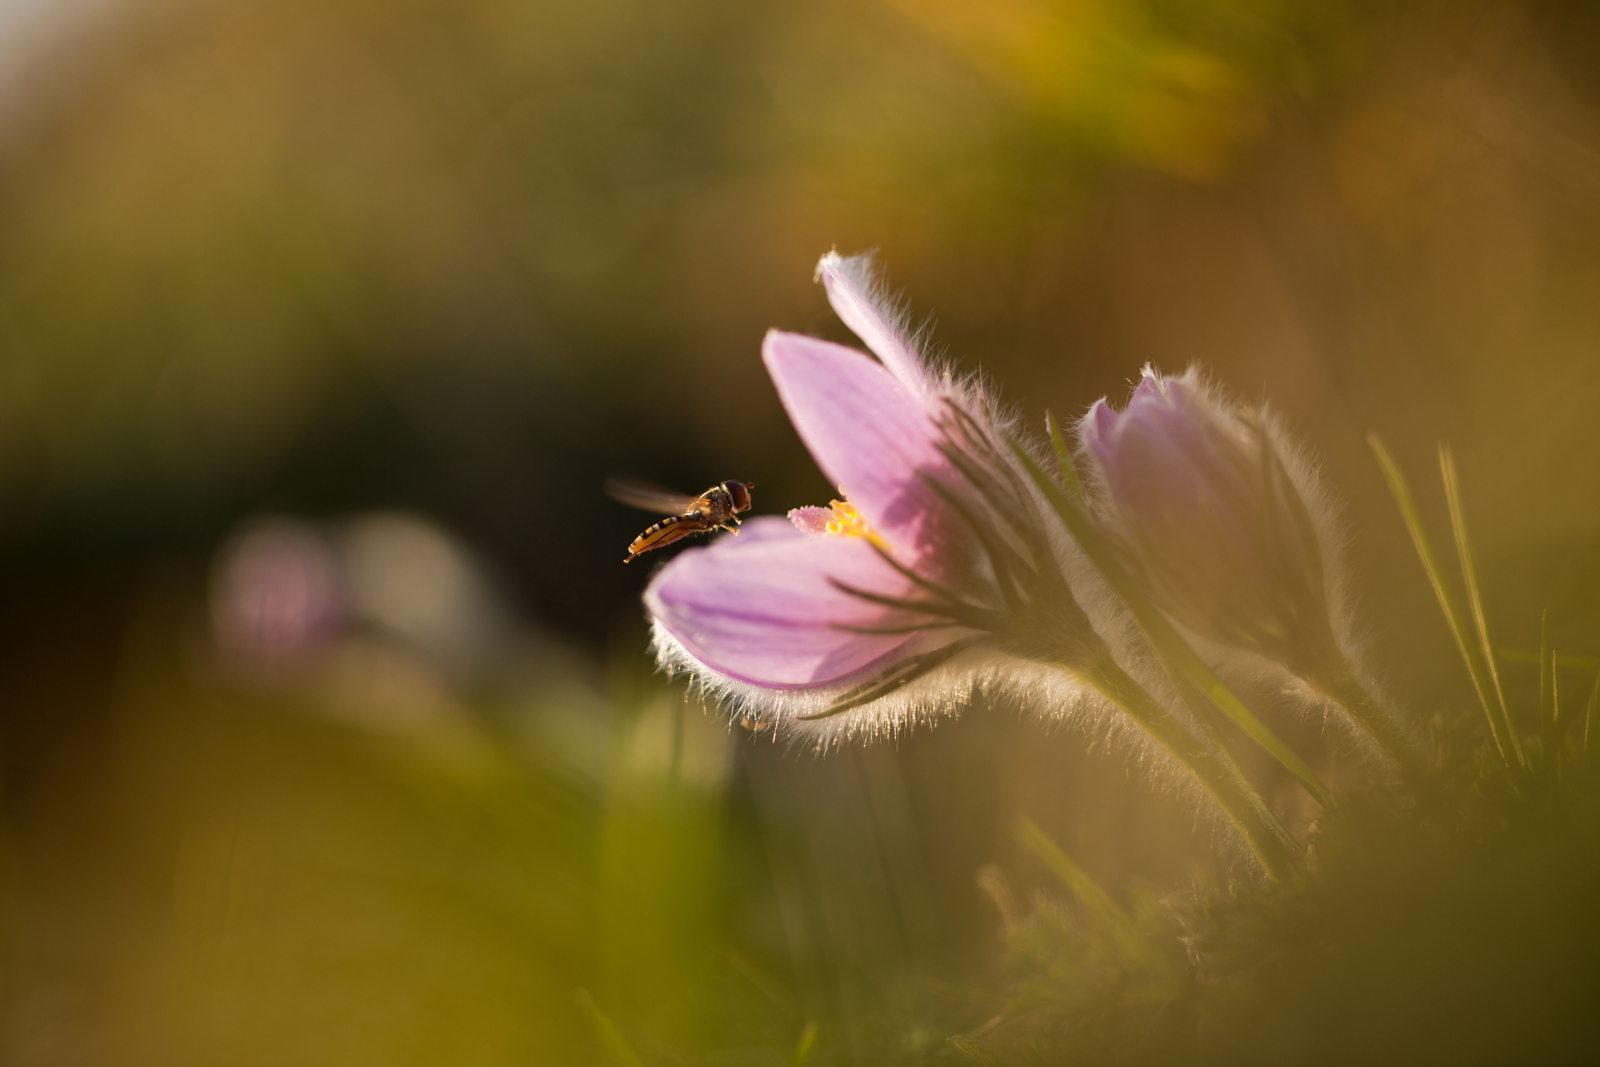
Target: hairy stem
1182 663
1341 685
1276 851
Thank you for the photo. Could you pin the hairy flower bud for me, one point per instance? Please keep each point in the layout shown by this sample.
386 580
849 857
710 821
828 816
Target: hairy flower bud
1220 519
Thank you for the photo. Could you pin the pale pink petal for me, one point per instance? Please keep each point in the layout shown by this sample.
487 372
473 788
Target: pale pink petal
761 528
811 520
1097 429
857 298
1149 387
871 437
762 609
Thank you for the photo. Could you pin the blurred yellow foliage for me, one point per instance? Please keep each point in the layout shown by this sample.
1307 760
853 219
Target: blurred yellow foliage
1108 73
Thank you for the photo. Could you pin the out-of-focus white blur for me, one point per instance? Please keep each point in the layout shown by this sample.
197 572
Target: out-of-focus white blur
388 622
33 36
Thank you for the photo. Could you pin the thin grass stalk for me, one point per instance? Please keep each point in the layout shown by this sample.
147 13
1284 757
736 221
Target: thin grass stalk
609 1033
1505 739
964 1045
1522 655
805 1044
1589 715
1557 722
1275 850
1064 464
1106 910
1182 662
1205 714
1469 576
1556 744
1546 678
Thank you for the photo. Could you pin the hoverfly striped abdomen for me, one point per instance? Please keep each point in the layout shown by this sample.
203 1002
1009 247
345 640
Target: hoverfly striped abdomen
715 509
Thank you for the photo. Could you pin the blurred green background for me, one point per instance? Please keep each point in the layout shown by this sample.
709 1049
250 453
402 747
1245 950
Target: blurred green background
326 725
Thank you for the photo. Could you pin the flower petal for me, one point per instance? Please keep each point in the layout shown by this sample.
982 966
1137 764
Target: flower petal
1097 429
871 437
859 301
763 609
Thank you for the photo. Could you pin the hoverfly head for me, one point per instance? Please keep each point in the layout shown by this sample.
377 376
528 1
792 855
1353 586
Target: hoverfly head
740 492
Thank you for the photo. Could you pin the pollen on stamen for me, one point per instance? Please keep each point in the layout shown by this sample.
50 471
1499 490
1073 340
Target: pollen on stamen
847 522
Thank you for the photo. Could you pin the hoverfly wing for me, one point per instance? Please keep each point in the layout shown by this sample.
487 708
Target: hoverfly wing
647 496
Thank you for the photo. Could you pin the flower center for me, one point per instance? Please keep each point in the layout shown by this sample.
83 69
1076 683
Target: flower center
847 522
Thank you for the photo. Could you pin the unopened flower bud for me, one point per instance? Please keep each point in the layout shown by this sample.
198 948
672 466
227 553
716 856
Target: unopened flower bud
1219 517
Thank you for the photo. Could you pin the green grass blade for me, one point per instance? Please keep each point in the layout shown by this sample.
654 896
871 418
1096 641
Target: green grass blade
611 1038
1216 690
1556 719
966 1047
1163 637
1279 854
1499 726
1064 464
1590 740
1522 655
1469 576
1106 910
1547 680
805 1046
1074 877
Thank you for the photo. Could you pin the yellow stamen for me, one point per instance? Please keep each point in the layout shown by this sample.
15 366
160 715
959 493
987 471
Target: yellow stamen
847 522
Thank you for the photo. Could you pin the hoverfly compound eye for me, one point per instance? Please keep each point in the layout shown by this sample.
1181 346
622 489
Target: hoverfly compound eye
740 492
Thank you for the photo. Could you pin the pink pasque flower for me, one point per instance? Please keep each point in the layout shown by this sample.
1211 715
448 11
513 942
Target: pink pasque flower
942 570
1224 520
933 573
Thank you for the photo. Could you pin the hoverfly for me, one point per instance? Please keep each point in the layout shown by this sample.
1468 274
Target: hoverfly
715 509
